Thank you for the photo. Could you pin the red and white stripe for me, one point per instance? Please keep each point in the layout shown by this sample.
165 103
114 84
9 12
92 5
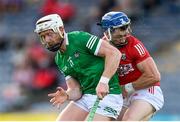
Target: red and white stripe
140 49
151 90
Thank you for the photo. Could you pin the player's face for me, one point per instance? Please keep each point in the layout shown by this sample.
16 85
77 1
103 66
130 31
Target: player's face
49 38
119 35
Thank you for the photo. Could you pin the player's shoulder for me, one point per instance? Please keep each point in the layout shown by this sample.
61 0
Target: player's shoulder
137 46
132 40
80 37
78 33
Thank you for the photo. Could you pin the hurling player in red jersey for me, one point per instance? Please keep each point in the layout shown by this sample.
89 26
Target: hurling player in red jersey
137 71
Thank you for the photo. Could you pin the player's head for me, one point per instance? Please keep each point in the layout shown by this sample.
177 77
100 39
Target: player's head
116 26
50 28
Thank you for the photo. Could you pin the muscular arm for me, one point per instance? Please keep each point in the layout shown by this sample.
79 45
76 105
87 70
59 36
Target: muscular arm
112 58
150 74
73 90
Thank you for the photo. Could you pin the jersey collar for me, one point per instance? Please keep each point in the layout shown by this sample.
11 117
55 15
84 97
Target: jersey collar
66 39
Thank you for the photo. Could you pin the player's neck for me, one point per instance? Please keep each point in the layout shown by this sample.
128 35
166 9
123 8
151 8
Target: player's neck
63 46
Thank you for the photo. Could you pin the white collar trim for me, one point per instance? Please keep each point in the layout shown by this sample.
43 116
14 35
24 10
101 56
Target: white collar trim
66 39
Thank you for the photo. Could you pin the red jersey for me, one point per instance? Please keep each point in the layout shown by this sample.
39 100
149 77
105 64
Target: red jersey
133 53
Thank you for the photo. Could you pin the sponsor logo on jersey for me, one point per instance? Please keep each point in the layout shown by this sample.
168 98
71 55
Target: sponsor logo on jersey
124 69
70 61
123 56
76 54
64 68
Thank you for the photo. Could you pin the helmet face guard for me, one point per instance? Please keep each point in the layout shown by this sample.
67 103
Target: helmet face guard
52 21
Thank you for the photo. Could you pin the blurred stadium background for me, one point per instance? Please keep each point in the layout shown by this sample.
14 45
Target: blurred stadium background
28 73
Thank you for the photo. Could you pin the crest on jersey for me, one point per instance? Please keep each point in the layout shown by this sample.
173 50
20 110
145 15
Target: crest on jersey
125 69
76 54
123 56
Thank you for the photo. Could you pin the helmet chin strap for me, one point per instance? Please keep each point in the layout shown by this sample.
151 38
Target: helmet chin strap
109 33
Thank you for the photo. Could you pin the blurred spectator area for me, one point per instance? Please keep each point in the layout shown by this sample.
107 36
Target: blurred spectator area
146 15
27 72
11 6
65 9
27 68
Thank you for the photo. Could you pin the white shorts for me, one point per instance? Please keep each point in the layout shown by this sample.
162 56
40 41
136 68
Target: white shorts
152 95
110 106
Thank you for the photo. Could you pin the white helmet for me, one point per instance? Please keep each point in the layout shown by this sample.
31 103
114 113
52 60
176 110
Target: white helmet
52 21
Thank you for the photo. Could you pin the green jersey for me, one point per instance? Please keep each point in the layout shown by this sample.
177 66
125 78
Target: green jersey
80 61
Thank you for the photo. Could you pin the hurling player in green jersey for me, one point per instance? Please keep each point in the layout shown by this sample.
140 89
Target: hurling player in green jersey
89 64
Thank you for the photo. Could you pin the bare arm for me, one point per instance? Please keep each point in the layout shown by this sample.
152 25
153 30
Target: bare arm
112 58
150 74
73 90
60 96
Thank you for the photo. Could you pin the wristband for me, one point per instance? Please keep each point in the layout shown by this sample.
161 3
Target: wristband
129 88
104 80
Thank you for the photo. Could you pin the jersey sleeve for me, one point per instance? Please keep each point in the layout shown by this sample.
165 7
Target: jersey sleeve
139 52
90 42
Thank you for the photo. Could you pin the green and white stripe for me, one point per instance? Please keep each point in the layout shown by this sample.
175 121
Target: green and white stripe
98 46
91 42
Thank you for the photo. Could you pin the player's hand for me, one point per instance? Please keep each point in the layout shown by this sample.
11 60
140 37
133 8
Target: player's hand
58 97
102 90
